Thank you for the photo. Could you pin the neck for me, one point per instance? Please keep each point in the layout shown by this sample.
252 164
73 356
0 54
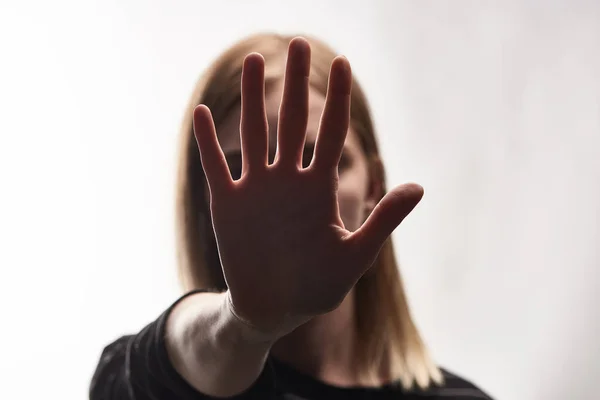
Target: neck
324 347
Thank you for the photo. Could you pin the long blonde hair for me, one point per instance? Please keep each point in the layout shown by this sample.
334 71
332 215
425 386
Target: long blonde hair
388 337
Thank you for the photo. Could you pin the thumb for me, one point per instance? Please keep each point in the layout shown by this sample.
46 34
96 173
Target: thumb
385 217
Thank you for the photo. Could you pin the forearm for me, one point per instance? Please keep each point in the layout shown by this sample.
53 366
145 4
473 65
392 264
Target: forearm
211 349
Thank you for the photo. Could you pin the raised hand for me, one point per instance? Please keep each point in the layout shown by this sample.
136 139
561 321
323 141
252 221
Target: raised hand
285 253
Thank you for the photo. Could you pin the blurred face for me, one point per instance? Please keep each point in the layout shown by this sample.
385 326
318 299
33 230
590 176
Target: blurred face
356 196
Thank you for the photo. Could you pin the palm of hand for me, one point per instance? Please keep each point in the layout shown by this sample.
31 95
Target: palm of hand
285 254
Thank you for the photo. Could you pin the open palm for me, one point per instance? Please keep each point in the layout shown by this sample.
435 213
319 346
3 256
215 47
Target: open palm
285 253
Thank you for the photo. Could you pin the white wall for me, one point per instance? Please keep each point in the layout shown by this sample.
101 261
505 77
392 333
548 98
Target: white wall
495 110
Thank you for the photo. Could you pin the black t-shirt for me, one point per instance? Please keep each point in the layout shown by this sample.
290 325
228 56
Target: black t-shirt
137 367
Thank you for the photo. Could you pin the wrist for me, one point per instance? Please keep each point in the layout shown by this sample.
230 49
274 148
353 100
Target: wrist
246 330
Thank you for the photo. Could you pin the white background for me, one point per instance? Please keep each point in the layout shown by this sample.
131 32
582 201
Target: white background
493 107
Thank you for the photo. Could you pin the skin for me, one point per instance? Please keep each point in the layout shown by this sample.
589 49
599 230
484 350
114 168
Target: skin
293 240
323 346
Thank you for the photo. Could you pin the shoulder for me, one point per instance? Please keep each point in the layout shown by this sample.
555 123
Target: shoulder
117 345
457 388
115 350
110 364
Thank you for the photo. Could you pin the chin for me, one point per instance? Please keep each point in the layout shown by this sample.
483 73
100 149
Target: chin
351 224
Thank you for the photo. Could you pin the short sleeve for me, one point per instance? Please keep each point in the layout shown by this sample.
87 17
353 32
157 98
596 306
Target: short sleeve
137 367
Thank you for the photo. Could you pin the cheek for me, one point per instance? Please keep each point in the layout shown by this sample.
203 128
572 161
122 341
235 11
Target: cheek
351 199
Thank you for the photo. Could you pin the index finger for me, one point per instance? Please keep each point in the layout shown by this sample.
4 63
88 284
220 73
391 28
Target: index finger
336 116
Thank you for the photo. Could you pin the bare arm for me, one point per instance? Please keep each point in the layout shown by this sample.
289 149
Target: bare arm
285 253
277 228
211 349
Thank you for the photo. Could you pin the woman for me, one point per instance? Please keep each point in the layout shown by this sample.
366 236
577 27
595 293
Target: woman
293 291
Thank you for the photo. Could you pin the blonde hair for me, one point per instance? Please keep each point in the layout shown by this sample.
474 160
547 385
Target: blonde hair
388 337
